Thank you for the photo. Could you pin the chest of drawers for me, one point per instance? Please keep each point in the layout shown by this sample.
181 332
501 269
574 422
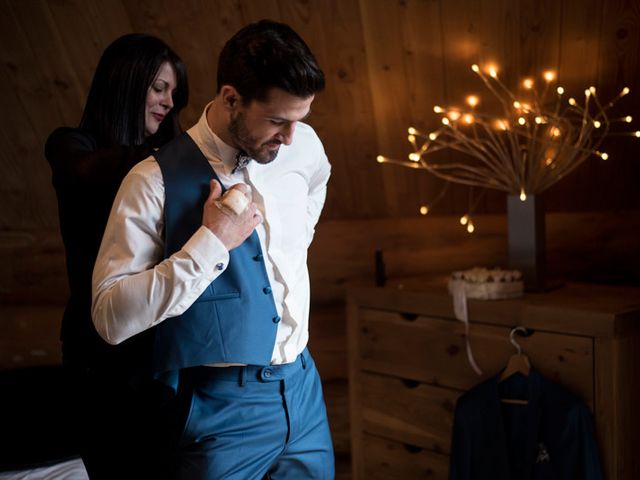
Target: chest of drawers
408 365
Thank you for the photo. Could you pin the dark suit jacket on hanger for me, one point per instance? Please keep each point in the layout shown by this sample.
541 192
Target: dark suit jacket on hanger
550 438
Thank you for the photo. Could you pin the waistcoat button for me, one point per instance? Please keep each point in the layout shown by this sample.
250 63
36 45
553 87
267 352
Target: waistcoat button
267 290
276 319
258 257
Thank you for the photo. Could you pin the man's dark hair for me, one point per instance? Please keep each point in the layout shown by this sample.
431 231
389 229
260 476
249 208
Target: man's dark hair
115 108
266 55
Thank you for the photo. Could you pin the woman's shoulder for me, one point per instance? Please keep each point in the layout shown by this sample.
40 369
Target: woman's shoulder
65 139
70 132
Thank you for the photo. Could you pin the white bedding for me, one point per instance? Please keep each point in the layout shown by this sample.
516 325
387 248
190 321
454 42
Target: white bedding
68 470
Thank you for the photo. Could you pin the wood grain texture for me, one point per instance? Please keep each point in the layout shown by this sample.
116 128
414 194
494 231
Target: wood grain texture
30 336
396 408
389 460
432 350
587 247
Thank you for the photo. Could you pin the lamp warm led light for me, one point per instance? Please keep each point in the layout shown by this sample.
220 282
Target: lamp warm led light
534 142
467 118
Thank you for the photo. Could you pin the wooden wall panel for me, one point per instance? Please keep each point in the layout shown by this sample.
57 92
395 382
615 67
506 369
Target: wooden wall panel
618 66
581 247
390 57
343 114
578 43
83 30
196 30
30 98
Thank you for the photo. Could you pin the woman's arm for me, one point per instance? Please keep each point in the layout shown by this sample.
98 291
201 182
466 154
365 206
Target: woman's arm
76 159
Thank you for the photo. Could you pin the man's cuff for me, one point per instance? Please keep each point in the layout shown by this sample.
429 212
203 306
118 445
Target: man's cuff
207 250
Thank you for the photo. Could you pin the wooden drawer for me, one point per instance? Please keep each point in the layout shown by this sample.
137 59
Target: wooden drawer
432 350
407 411
385 459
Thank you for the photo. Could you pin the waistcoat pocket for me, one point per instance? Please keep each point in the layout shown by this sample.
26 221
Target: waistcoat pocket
210 296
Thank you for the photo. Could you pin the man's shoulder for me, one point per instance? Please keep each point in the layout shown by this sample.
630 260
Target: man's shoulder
307 140
307 132
147 171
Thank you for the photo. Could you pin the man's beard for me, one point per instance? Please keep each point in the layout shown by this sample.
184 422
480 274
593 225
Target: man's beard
244 141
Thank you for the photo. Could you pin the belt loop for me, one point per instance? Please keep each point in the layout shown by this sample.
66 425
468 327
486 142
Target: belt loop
243 376
303 361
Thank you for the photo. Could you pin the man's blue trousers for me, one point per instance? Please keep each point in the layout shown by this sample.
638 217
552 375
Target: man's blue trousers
253 423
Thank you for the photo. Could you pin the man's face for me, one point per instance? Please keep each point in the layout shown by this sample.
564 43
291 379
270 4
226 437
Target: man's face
259 128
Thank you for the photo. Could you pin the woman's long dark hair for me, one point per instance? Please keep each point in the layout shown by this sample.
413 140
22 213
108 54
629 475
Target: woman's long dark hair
115 108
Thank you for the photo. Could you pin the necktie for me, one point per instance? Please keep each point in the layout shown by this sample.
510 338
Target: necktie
242 160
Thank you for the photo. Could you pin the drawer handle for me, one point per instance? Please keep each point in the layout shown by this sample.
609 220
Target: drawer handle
412 448
409 317
410 383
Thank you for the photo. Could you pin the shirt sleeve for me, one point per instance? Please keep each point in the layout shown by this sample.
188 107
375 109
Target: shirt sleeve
134 287
317 192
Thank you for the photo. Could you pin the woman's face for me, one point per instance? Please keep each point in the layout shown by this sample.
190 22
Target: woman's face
159 98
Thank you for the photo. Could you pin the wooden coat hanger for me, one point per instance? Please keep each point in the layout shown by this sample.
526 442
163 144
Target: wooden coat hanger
518 363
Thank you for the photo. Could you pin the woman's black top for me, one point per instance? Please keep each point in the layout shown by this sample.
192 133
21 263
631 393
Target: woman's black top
86 177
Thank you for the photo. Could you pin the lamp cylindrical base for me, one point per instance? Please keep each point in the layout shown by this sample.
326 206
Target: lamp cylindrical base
527 236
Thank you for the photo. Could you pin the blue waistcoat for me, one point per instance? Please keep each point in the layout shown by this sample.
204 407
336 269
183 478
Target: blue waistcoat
235 319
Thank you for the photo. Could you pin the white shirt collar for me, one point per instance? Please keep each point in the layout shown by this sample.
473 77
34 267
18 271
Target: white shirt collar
212 146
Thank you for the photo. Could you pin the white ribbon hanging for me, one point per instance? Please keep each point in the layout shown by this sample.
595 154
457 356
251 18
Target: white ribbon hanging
460 310
481 283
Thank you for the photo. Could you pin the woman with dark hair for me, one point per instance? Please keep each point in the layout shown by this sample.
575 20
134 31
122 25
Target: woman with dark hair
138 90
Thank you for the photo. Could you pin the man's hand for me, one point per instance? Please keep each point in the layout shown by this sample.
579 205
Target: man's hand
232 229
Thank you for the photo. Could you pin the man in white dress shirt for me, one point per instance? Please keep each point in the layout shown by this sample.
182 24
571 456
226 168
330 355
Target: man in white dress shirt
226 293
